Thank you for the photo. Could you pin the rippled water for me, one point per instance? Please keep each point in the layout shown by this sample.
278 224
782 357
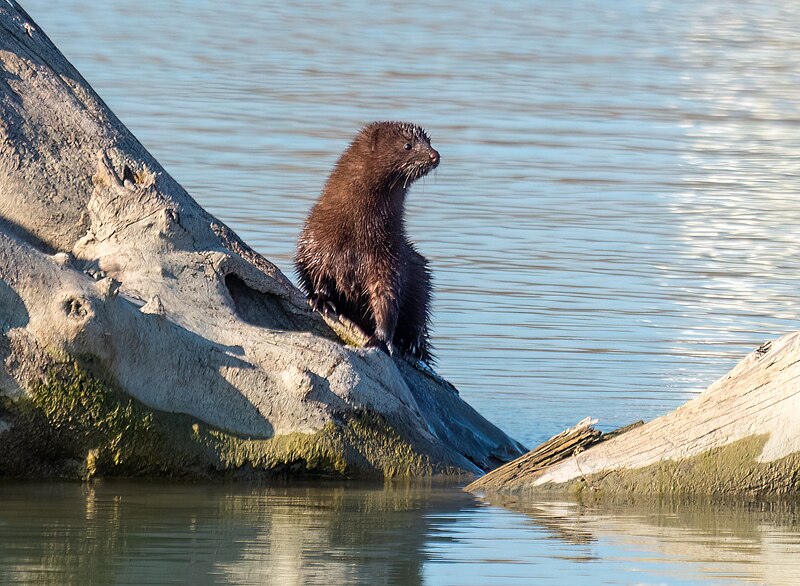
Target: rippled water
613 224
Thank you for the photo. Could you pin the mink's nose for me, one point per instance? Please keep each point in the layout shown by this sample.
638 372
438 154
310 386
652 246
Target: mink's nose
434 158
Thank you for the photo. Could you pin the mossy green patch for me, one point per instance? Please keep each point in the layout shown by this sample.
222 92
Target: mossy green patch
346 331
727 470
73 424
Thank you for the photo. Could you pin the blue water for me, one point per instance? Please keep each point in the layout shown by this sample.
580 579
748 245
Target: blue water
117 532
612 227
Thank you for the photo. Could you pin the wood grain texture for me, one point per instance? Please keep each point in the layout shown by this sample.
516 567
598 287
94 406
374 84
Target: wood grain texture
106 259
742 434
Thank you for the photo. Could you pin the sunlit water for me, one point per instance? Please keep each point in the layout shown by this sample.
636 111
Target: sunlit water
149 533
613 225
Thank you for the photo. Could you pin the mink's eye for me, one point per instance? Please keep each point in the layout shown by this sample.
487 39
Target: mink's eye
407 146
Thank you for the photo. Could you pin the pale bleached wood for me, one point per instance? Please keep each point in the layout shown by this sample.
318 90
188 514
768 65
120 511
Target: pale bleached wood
106 259
564 445
759 400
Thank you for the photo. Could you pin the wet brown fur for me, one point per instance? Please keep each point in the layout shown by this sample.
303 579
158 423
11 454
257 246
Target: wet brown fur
353 256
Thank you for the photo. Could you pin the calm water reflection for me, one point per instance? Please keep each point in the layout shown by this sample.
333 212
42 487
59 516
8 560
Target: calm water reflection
145 533
614 224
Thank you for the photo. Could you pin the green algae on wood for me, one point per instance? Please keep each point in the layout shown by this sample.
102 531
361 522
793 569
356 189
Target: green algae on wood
732 469
740 436
72 424
125 266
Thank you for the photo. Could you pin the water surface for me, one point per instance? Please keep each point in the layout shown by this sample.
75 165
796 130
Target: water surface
613 224
612 227
149 533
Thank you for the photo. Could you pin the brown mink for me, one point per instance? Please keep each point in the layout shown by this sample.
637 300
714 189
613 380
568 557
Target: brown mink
353 256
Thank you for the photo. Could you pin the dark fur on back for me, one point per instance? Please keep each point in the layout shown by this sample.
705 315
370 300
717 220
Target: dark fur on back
353 256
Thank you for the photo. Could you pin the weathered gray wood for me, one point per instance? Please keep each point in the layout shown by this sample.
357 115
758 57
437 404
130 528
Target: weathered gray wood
741 435
564 445
108 265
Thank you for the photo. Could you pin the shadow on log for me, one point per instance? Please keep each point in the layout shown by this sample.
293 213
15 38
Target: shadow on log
140 335
740 436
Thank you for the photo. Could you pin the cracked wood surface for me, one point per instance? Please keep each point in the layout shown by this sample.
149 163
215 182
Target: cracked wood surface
759 398
104 255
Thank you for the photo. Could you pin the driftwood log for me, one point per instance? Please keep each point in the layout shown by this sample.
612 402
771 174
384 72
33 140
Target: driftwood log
740 436
140 335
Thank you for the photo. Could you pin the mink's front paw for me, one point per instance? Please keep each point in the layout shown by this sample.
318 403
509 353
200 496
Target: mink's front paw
323 305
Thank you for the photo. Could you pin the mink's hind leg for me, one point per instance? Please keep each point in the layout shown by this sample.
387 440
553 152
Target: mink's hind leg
384 306
411 334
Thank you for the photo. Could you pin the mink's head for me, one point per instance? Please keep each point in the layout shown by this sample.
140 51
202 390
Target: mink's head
398 152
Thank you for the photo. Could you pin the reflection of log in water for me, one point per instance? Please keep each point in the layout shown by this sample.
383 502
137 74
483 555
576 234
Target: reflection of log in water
759 541
339 534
